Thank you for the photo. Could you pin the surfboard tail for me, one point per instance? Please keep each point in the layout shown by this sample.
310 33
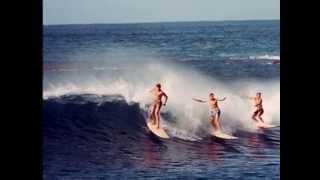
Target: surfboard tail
223 135
158 132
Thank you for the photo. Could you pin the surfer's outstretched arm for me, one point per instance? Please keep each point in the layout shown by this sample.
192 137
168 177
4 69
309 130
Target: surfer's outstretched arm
152 90
199 100
245 96
222 99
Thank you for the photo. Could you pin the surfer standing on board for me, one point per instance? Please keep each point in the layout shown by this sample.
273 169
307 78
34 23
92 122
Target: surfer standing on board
214 110
259 109
156 105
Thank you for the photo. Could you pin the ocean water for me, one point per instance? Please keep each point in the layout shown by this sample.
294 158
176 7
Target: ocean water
95 99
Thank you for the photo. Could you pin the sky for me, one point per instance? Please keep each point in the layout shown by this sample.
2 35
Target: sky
134 11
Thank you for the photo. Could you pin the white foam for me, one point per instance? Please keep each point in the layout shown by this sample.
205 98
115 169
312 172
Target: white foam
265 57
252 57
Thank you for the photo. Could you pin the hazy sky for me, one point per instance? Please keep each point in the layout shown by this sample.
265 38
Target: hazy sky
122 11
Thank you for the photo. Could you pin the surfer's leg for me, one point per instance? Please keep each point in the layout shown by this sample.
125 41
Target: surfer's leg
217 121
260 114
211 119
152 114
254 116
212 122
215 124
157 114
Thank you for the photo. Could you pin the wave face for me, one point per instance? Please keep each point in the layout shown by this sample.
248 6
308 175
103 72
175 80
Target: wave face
96 116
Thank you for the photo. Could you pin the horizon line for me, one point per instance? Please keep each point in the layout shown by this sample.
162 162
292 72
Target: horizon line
155 22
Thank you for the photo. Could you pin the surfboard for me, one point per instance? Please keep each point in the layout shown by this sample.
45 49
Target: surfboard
222 135
158 132
265 125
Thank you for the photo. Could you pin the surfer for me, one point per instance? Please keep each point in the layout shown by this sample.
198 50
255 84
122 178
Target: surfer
156 105
259 109
214 110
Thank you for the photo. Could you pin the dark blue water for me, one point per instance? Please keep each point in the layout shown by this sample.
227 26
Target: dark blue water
101 135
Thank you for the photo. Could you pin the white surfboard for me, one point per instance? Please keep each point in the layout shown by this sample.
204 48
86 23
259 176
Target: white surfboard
265 125
158 132
222 135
